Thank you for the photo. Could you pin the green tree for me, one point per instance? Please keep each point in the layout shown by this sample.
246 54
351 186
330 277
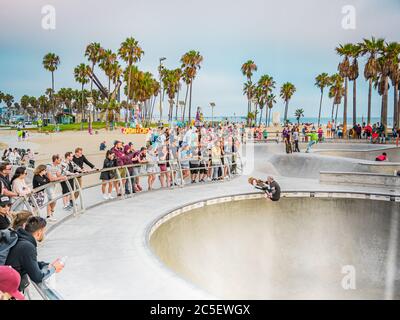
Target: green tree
248 68
344 71
51 62
287 91
371 48
81 75
131 53
321 81
191 62
299 113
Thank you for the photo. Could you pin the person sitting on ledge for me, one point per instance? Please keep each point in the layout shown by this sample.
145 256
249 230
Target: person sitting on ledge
103 146
382 157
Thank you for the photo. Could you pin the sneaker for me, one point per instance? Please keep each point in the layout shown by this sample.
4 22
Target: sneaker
66 207
110 197
105 197
51 219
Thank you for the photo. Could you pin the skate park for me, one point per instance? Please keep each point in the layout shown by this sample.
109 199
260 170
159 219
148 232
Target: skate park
225 240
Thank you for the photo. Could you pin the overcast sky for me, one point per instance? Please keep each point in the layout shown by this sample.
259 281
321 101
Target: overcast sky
291 40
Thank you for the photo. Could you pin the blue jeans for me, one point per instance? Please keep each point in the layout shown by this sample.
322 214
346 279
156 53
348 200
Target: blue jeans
310 144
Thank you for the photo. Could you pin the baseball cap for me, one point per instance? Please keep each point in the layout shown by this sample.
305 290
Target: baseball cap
9 282
4 200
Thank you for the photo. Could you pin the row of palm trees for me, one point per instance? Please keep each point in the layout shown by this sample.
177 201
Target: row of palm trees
261 93
382 65
141 88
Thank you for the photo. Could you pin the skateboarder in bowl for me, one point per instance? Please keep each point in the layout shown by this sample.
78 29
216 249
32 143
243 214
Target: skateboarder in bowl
271 188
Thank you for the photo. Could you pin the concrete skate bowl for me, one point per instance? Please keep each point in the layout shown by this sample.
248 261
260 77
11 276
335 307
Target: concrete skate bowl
368 154
310 165
297 248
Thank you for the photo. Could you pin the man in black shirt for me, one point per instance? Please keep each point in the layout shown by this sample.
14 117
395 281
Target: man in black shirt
5 184
271 188
5 204
80 159
23 255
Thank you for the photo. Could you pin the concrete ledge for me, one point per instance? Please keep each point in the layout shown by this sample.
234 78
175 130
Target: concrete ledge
362 178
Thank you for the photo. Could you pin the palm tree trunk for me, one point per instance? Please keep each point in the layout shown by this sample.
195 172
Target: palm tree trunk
184 108
369 101
337 109
286 111
354 102
52 91
82 108
266 115
259 121
127 98
190 102
345 108
333 108
269 117
396 105
177 104
320 107
385 104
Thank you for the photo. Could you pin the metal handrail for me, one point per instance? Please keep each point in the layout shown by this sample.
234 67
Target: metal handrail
175 167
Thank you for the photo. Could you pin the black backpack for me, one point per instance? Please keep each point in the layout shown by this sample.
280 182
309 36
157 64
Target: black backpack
8 238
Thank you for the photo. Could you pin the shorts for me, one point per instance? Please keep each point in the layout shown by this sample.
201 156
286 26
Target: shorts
136 171
151 169
122 172
163 167
51 192
64 186
194 165
185 165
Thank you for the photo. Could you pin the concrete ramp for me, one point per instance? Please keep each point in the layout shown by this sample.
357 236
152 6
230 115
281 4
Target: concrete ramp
393 153
298 248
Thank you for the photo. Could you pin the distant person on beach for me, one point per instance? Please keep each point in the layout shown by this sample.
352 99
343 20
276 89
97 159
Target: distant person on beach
103 146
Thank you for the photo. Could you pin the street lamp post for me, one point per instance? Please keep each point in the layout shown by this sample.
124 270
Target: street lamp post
212 105
161 60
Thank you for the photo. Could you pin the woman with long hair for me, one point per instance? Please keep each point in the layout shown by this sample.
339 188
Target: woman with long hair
39 179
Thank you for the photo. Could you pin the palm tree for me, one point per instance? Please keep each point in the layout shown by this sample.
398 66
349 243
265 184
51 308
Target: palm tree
191 62
51 62
81 74
249 90
353 75
344 71
131 53
389 56
170 80
248 68
321 81
271 100
287 91
299 113
336 91
371 47
394 75
93 52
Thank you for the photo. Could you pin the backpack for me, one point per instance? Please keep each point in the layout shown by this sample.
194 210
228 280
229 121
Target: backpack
8 238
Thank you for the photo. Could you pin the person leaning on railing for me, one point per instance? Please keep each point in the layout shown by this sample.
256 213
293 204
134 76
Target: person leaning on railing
107 176
40 179
23 255
5 183
19 185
